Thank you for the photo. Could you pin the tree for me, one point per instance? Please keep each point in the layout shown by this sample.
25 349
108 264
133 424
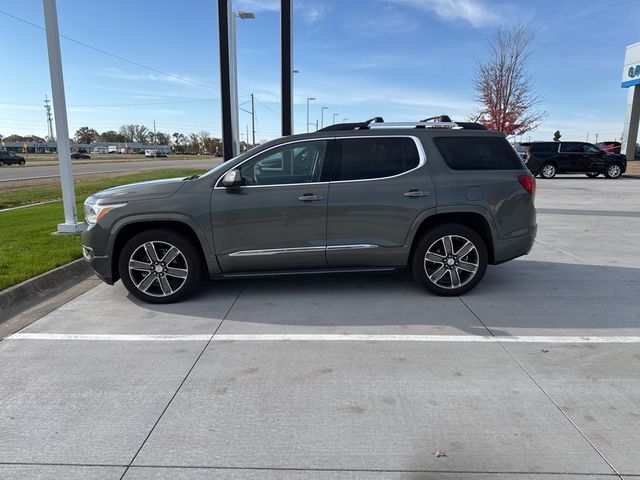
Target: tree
112 136
556 136
504 86
135 133
195 143
23 138
162 138
85 135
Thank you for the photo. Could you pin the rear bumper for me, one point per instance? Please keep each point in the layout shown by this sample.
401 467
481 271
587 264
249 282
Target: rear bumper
505 250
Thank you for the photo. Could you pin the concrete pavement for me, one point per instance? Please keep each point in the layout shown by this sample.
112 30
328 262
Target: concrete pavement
212 388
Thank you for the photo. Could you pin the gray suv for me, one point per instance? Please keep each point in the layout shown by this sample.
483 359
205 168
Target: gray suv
441 198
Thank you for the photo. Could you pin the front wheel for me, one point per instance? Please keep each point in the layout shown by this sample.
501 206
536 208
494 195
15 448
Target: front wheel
21 162
592 174
159 266
613 171
450 260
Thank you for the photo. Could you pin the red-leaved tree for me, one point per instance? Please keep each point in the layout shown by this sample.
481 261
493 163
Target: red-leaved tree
504 86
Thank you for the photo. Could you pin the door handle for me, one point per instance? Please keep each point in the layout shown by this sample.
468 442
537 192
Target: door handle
416 193
310 197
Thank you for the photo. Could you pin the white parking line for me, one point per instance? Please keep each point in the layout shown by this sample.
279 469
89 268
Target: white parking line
286 337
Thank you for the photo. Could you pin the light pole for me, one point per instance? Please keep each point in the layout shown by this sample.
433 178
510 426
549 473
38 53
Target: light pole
322 109
344 120
233 68
71 224
308 100
334 117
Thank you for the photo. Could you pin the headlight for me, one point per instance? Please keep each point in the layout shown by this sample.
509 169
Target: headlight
93 213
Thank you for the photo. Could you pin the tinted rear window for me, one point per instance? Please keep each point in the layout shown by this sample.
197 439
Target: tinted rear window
478 153
544 147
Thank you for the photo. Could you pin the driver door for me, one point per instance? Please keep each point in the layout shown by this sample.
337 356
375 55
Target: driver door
277 219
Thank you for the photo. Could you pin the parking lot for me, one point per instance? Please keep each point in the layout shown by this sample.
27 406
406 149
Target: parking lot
534 374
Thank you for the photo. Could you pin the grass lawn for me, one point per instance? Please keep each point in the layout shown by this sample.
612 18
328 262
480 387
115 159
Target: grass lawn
27 246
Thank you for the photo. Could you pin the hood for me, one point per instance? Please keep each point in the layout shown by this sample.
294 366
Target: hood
142 191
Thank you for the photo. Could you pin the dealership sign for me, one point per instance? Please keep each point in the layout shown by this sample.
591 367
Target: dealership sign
631 71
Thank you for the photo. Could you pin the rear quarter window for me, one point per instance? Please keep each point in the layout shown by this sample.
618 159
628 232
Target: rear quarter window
478 153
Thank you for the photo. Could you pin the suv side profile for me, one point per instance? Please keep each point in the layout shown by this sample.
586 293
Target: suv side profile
10 158
547 159
443 199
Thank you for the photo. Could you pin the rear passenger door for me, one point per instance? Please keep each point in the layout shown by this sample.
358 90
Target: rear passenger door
571 157
378 186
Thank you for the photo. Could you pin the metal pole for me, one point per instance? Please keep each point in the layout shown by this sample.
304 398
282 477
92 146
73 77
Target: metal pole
334 117
70 224
286 66
308 114
233 72
322 116
225 78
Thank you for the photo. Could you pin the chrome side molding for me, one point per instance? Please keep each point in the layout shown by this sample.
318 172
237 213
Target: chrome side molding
279 251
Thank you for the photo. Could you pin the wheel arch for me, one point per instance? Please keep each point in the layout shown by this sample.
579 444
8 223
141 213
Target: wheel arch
127 230
474 220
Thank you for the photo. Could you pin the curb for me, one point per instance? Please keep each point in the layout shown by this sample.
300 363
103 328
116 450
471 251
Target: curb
44 284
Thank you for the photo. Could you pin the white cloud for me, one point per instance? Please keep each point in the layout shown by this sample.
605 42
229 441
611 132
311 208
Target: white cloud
258 5
471 11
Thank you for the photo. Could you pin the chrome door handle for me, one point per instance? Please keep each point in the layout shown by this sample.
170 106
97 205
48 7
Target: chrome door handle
416 193
309 197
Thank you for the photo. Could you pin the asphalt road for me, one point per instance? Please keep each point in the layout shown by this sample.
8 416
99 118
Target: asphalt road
533 375
12 173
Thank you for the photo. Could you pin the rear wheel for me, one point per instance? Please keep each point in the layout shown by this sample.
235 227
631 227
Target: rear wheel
592 174
450 260
159 266
1 163
613 171
548 171
21 162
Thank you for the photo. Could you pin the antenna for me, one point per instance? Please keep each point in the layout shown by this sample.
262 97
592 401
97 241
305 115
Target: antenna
47 108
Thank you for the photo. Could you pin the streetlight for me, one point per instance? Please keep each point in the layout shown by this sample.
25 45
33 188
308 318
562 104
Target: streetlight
334 117
233 67
322 109
344 120
308 100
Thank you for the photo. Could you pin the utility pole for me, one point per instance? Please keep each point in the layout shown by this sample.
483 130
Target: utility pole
155 137
47 108
71 224
308 100
253 122
247 137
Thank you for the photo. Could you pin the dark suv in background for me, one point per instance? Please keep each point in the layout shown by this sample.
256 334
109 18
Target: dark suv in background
547 159
441 198
10 158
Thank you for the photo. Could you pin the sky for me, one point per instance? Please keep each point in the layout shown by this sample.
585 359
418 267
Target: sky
403 60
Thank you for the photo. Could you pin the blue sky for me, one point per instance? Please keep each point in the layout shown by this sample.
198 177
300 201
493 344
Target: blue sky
401 59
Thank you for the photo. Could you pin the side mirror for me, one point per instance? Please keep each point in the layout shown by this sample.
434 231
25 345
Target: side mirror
232 179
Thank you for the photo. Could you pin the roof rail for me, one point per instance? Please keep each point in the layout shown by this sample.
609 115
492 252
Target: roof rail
353 126
440 121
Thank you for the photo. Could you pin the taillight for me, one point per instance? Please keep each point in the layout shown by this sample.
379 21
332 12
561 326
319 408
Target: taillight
528 182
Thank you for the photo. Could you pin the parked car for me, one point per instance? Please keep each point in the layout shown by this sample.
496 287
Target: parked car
152 153
611 147
10 158
80 156
370 196
547 159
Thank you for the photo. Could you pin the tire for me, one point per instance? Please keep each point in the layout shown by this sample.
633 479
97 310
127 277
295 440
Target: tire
548 171
1 163
164 287
592 174
435 243
613 171
22 162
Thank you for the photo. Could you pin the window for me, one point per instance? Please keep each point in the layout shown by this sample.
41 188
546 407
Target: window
544 147
588 148
571 147
379 157
296 163
478 153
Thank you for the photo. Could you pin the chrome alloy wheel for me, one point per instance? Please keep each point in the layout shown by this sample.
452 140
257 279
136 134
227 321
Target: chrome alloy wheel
451 261
614 171
158 269
548 171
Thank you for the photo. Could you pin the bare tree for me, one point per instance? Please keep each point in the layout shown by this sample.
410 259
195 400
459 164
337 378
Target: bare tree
135 133
504 86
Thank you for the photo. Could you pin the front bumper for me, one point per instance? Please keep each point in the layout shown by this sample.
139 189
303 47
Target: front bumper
94 251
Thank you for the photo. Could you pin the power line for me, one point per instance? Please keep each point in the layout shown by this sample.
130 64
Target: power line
104 52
